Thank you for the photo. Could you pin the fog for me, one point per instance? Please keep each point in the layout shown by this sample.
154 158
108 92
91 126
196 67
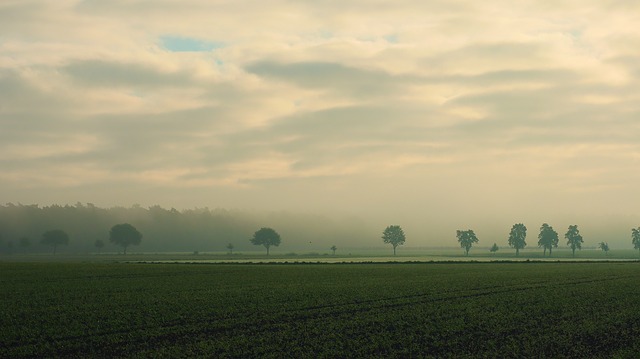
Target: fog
204 230
346 117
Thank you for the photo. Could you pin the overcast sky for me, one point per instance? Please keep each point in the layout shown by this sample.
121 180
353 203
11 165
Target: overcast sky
434 115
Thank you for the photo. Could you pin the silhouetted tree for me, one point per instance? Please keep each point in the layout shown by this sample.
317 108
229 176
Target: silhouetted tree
574 239
54 238
393 235
169 229
10 247
635 238
494 248
467 239
266 237
125 235
517 237
99 244
548 238
604 247
333 249
230 248
24 243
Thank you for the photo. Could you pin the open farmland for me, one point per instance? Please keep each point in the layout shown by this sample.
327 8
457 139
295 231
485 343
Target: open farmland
320 310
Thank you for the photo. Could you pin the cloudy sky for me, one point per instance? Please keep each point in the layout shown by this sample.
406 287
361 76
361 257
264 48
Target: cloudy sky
435 115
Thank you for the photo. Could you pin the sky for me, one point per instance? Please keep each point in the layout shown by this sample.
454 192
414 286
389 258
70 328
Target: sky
433 115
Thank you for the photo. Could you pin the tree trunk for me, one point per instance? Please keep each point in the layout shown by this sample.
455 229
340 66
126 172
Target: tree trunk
267 250
394 250
573 252
517 252
550 249
545 252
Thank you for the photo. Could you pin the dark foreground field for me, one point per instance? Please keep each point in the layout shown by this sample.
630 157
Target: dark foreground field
320 310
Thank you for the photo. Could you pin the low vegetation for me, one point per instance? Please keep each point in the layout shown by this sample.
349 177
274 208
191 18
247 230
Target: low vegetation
524 309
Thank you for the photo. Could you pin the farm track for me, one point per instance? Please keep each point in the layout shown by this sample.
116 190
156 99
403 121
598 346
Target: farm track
189 329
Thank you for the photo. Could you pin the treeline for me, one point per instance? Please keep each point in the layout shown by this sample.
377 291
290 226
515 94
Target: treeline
200 229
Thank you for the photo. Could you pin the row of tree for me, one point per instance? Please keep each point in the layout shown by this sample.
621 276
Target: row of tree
123 235
170 230
547 238
204 229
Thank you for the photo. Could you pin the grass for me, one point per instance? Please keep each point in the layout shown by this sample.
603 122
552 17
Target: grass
408 254
76 309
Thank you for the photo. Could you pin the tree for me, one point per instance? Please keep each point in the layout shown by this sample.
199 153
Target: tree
467 239
605 247
99 244
10 247
494 248
54 238
266 237
517 237
393 235
574 239
635 238
24 243
548 238
125 235
230 247
334 248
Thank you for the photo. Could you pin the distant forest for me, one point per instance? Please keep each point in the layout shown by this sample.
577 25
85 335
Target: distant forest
191 230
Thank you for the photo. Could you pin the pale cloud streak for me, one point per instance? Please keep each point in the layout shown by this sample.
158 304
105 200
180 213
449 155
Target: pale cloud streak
323 105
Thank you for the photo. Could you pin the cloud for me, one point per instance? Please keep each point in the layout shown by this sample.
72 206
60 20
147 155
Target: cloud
410 109
112 74
335 77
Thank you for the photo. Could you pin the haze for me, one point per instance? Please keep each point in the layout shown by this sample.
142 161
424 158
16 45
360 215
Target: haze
436 116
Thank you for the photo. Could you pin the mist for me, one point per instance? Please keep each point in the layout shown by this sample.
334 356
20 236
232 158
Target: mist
211 230
424 115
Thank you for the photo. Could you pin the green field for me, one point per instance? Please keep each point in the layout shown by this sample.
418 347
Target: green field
528 309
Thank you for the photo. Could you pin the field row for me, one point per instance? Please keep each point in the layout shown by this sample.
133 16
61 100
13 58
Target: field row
463 309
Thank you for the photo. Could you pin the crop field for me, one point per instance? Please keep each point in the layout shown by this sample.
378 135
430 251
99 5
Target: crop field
526 309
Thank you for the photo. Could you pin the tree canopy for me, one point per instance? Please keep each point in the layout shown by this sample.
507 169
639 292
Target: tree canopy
266 237
99 243
172 230
494 248
125 235
574 239
548 238
24 243
54 238
517 237
604 246
393 235
467 239
635 238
